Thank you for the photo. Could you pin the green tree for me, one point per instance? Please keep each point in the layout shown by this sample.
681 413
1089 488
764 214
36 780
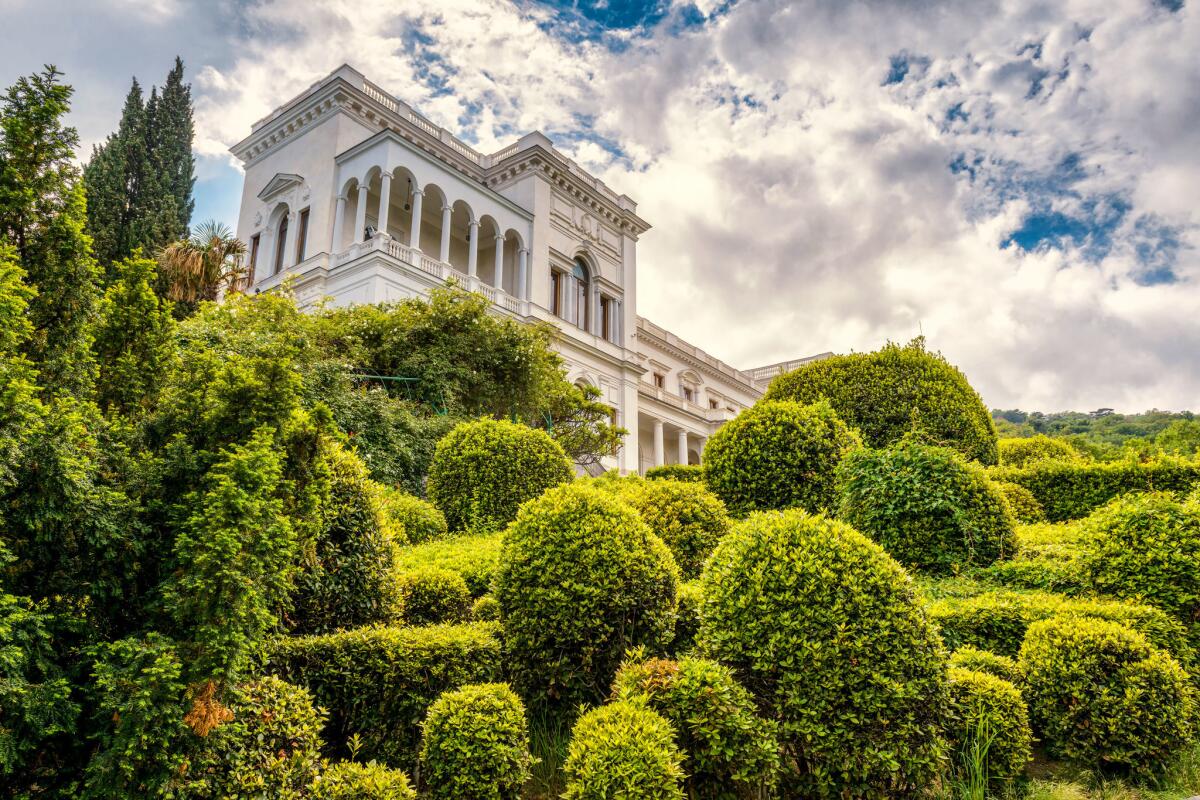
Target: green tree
171 146
1181 437
201 267
19 408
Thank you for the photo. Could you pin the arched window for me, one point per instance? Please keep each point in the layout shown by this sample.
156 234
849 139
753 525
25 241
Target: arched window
280 243
582 284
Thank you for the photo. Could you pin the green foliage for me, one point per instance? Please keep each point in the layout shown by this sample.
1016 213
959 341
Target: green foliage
1099 434
379 682
677 472
580 421
623 750
1047 558
19 408
1069 491
485 609
1024 506
687 618
730 752
895 390
1021 452
1100 695
475 744
268 747
686 516
826 630
474 556
430 595
348 576
988 718
1180 438
417 520
1147 548
347 780
972 658
581 580
997 621
929 508
778 455
483 470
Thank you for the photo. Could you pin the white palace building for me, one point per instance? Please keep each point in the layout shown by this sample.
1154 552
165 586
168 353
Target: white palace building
360 199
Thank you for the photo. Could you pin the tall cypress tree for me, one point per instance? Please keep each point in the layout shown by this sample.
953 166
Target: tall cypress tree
173 134
113 179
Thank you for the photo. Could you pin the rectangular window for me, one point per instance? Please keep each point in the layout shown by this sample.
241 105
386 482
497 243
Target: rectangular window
254 252
302 236
714 405
689 394
556 279
659 380
607 329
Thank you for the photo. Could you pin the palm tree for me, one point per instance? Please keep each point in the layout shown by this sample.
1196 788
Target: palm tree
201 267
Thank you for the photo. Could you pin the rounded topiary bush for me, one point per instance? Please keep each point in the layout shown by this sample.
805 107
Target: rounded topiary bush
778 455
1146 547
581 579
972 658
1024 451
348 780
475 744
730 752
431 595
623 750
1101 696
686 516
1024 506
483 470
420 521
827 631
988 727
269 746
348 576
889 393
927 506
485 609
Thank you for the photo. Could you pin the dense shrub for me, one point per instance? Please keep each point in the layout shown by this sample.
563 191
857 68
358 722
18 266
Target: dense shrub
483 470
473 556
686 516
826 630
1022 452
1047 558
928 507
270 747
972 658
677 472
348 575
1100 695
988 726
687 619
778 455
997 621
348 780
1072 490
1147 547
623 750
730 752
475 744
430 595
379 682
485 609
893 391
581 580
420 521
1024 506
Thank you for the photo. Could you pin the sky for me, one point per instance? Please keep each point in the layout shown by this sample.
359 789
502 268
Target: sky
1016 180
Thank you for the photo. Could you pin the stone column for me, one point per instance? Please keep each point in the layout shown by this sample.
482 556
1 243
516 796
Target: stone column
472 249
683 447
339 219
385 201
445 253
523 274
498 272
360 215
658 443
414 238
597 321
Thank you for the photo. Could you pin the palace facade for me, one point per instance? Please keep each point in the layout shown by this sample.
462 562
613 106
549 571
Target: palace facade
355 197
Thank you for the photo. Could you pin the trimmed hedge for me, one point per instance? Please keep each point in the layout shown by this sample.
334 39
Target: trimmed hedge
269 748
347 780
997 621
891 392
430 595
420 521
687 619
677 472
486 609
475 744
623 750
778 455
1069 491
1100 695
730 752
483 470
989 723
827 631
378 682
1025 451
473 557
1047 558
929 508
686 516
1147 548
582 579
1024 506
972 658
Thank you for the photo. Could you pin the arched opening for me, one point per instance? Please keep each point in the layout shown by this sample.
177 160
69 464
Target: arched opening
343 234
489 230
279 222
401 197
581 284
432 218
513 282
460 229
